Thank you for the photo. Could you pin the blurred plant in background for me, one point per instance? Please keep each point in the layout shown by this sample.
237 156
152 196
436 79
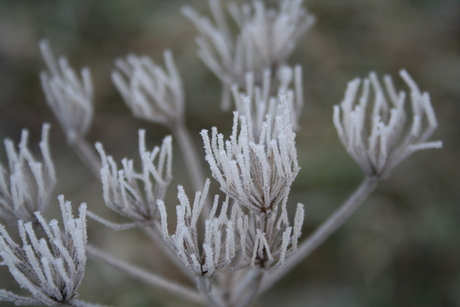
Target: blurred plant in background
401 249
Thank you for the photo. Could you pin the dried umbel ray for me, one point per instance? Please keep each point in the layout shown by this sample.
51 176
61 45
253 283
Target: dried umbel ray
50 264
69 96
266 37
380 136
28 184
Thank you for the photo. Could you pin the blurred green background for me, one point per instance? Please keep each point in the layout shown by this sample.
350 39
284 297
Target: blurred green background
402 248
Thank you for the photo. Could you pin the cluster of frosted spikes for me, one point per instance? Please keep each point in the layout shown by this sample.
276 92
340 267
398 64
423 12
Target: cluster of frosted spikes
264 98
255 167
70 98
50 263
265 39
140 81
380 139
233 227
28 184
135 194
227 232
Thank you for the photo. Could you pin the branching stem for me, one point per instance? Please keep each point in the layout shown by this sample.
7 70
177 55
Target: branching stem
190 155
172 256
204 285
247 290
324 231
88 155
192 162
162 283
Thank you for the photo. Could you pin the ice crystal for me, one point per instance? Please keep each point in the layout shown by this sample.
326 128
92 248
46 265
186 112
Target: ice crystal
379 137
28 184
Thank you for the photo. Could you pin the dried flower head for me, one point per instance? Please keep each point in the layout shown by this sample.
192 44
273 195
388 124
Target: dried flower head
151 92
266 37
382 139
70 98
261 240
51 268
255 170
27 186
134 194
220 234
270 239
262 103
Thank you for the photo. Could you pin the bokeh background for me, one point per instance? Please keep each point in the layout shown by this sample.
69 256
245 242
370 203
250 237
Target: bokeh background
402 248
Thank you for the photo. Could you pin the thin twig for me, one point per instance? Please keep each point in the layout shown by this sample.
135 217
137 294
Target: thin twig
204 285
88 155
192 162
184 292
78 303
190 155
250 285
324 231
172 256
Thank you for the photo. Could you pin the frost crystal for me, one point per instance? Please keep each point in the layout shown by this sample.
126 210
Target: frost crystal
152 93
27 186
262 103
70 98
255 170
382 139
134 194
271 238
220 234
51 268
266 37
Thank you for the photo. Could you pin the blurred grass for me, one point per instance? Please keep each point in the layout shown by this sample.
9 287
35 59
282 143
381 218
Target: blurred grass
401 249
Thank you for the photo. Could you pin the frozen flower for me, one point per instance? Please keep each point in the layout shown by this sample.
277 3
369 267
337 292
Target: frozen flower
379 137
220 233
28 184
151 92
255 170
271 238
266 38
134 194
263 103
51 267
70 98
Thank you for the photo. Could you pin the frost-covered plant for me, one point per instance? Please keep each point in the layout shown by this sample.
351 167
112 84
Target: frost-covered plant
266 37
235 246
28 184
70 98
380 138
50 264
134 194
263 103
255 170
152 93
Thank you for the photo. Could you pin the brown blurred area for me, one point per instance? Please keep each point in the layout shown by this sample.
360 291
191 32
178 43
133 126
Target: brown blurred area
402 248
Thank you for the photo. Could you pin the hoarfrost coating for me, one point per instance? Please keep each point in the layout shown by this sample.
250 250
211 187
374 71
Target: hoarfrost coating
51 268
234 246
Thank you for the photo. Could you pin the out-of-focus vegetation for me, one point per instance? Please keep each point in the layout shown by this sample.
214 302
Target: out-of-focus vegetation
402 248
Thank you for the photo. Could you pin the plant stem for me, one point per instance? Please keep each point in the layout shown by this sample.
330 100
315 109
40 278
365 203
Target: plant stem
78 303
324 231
192 162
250 285
184 292
204 286
88 155
172 256
190 155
